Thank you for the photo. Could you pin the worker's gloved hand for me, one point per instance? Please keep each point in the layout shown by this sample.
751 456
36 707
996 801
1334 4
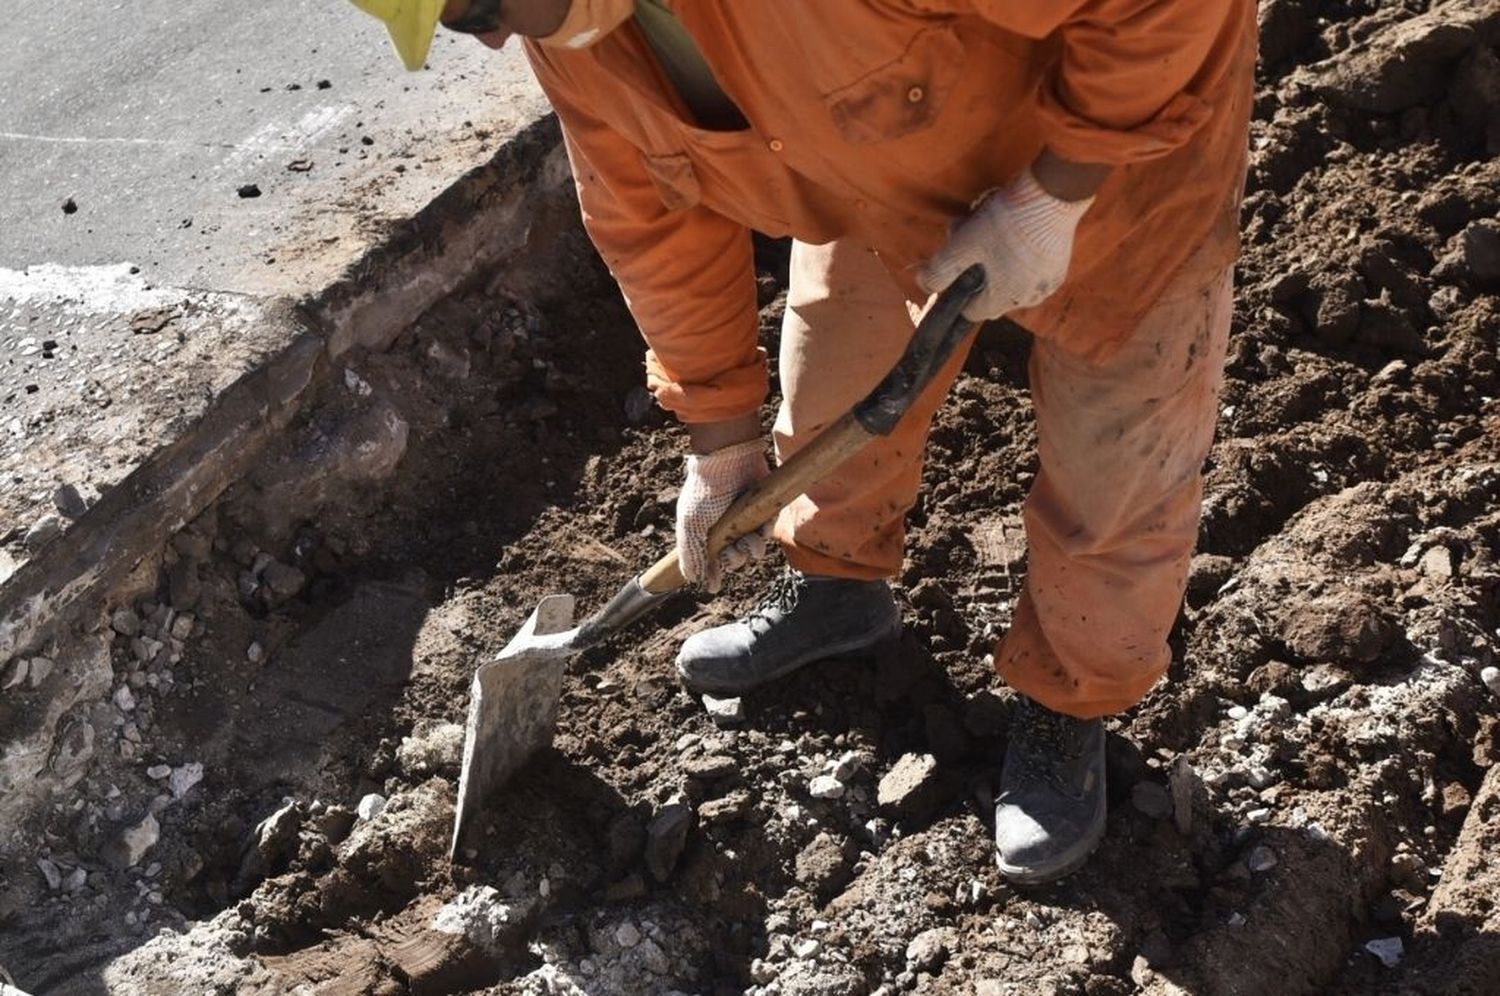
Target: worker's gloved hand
711 484
1022 236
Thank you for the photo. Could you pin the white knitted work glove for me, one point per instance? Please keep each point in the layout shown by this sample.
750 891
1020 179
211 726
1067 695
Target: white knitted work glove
711 483
1022 236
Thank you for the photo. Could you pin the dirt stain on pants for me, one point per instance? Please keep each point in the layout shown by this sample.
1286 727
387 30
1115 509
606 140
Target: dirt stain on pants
1112 517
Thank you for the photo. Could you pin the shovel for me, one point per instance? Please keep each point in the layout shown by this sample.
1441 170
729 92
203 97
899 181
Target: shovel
513 699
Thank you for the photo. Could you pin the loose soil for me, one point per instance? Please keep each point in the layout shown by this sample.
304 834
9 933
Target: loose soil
1315 785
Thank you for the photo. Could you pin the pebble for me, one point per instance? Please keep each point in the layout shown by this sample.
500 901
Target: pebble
1258 815
846 767
1387 949
627 935
69 502
184 778
45 530
825 787
1237 712
1152 799
158 771
254 653
41 667
182 626
18 673
806 947
50 872
927 950
1261 859
653 957
76 880
906 788
710 766
1491 678
125 622
370 806
124 700
724 711
132 844
666 836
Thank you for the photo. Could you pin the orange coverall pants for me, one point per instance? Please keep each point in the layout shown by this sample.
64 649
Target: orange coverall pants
1112 517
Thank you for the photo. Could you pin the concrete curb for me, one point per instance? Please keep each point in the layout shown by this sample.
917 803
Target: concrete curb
504 213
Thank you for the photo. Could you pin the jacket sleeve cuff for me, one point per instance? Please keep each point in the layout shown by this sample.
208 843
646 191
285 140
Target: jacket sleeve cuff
1076 138
729 394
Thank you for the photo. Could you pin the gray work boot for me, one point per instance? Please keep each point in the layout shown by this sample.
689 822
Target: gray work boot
803 618
1049 814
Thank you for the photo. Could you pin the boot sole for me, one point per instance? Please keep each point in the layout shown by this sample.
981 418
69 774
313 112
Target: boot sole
849 646
1023 876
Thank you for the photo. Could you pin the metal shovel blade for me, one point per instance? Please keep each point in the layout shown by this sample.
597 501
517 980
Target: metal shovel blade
513 706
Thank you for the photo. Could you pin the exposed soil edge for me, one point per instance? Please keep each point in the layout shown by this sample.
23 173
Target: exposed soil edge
505 213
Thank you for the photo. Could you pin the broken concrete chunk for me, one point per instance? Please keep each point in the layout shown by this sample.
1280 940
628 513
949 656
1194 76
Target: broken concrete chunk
825 787
490 923
909 787
724 712
126 850
433 746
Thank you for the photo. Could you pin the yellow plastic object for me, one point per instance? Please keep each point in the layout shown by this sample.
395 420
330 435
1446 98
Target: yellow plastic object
411 24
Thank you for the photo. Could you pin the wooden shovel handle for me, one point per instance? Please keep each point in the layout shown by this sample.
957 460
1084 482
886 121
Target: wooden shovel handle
760 504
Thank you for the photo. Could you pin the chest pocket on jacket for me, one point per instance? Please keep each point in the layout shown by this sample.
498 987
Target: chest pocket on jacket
902 97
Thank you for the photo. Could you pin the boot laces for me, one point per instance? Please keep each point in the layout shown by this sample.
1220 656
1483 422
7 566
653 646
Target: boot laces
1046 741
783 596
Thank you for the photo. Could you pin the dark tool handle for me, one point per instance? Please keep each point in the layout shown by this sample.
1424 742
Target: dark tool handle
932 344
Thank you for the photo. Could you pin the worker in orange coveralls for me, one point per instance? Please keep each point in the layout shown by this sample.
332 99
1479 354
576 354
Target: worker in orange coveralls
1089 154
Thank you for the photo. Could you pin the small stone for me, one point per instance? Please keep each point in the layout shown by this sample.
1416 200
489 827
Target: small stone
822 867
806 947
158 771
825 787
254 653
1152 799
41 667
43 531
653 957
846 767
1261 815
627 935
1437 563
908 787
124 699
1491 678
1388 949
1261 859
69 502
370 806
283 581
184 778
126 850
182 626
50 872
125 622
18 673
710 767
666 836
928 950
75 880
248 190
724 712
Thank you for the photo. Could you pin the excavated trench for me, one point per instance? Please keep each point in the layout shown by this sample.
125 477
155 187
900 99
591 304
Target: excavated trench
264 784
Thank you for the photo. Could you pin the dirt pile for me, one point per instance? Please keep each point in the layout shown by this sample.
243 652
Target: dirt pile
1305 807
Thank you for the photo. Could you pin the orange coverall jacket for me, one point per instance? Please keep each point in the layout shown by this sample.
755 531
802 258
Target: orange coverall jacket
883 121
